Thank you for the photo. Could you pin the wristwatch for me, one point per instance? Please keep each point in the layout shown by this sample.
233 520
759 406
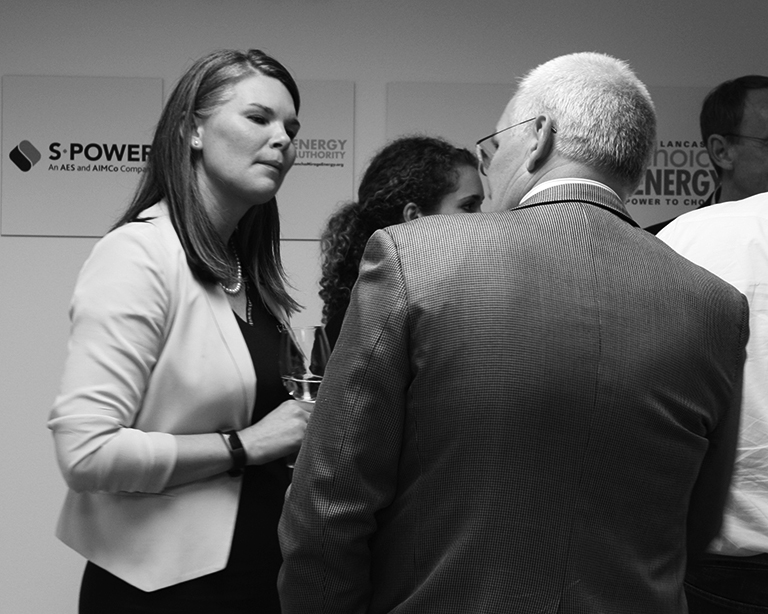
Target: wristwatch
236 451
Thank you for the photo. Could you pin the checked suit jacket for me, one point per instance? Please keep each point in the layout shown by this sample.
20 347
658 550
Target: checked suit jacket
527 411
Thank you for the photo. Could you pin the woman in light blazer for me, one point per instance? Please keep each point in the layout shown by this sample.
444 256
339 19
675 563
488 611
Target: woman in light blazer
172 422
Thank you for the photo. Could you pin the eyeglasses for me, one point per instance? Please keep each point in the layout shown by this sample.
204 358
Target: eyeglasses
485 148
763 142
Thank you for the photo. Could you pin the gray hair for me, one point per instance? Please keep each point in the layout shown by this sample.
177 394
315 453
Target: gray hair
603 113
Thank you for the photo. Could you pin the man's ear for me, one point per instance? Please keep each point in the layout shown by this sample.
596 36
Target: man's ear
544 143
720 151
411 211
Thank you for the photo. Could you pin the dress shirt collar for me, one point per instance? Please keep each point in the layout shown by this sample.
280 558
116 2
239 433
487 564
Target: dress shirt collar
544 185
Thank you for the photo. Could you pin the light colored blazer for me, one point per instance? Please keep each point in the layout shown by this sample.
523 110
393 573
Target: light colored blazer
527 411
152 353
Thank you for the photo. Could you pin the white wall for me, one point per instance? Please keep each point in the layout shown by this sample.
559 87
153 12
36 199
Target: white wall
370 42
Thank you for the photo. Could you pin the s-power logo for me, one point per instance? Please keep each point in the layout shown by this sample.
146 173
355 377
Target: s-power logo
84 157
25 156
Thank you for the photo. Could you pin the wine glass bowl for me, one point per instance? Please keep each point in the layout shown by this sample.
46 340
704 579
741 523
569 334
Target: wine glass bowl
302 357
304 353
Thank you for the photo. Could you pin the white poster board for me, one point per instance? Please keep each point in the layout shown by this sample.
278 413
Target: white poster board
680 176
323 174
73 149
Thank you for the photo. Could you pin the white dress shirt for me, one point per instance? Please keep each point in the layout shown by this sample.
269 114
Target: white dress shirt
731 240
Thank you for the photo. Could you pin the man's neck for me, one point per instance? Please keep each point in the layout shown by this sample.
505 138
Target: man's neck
573 170
729 192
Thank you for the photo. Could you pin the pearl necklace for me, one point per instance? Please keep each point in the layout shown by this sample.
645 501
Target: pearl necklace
235 290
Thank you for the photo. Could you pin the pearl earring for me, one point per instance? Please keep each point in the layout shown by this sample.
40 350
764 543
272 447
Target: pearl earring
196 143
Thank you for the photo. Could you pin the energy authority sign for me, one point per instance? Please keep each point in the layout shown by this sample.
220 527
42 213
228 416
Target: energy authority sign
73 149
321 152
322 175
680 176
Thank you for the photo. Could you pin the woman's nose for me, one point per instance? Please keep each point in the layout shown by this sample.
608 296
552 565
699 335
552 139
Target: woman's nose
280 139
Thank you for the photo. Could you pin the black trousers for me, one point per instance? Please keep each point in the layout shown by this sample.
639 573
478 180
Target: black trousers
728 585
103 593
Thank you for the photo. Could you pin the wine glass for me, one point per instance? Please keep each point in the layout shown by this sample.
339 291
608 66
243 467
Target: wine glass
303 355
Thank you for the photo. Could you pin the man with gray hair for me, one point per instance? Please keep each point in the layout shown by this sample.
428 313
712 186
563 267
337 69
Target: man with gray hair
530 410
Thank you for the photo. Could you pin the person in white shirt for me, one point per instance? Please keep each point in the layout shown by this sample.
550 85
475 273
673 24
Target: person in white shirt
734 129
731 240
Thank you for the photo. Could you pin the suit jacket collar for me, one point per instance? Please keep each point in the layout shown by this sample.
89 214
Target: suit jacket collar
592 194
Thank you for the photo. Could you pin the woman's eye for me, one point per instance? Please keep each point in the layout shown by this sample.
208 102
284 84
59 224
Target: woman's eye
258 119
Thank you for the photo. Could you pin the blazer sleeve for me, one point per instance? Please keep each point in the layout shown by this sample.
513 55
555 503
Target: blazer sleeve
347 468
118 318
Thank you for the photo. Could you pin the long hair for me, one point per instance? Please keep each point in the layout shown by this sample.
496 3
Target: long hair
417 169
170 174
603 113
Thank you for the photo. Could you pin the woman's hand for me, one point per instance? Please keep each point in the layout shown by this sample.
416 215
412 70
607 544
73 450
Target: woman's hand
278 433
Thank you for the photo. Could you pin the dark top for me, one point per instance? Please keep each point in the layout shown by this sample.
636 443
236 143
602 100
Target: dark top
255 558
249 582
333 327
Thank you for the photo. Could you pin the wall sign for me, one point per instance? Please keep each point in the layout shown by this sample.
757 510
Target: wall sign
323 174
73 150
680 176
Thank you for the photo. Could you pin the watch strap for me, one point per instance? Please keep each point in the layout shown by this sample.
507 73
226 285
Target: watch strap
236 451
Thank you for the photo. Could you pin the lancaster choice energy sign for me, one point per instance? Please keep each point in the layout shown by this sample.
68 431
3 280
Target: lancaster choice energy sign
680 176
73 150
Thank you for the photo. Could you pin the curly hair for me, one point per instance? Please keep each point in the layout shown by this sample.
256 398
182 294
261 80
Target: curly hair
411 169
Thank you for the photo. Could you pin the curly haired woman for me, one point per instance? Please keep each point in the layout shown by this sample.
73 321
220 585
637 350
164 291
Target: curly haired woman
410 177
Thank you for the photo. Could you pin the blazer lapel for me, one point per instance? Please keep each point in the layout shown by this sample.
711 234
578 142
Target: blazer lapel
229 330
